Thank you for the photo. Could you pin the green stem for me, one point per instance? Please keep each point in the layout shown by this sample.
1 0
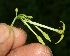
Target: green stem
13 21
28 26
40 25
38 37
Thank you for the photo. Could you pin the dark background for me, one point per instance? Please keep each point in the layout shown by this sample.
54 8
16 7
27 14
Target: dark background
47 12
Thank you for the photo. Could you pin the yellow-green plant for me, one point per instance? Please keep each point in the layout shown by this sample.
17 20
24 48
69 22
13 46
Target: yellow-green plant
27 19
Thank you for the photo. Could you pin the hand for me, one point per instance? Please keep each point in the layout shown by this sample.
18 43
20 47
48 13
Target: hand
12 43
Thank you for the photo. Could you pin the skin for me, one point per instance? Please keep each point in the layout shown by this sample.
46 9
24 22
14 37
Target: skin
12 43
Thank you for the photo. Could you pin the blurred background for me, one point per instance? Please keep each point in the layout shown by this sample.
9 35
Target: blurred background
47 12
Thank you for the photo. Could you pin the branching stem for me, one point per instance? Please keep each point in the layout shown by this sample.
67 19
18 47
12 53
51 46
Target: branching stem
26 19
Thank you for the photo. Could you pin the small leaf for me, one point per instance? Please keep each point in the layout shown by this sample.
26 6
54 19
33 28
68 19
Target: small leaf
46 36
40 40
16 10
29 17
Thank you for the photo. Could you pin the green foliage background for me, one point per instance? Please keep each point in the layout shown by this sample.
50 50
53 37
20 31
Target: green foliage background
48 12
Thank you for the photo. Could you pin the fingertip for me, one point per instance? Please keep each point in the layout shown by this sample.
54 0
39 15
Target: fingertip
34 49
7 39
20 37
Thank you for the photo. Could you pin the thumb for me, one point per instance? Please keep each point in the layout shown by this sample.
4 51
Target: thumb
6 39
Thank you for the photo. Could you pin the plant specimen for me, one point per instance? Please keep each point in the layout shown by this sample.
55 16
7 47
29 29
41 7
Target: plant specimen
27 19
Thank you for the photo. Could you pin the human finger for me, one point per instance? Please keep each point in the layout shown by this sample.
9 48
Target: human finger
20 37
34 49
6 39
